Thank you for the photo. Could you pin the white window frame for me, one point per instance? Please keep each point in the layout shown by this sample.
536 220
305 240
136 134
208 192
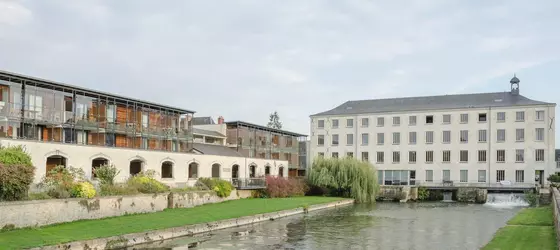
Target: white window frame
429 137
446 136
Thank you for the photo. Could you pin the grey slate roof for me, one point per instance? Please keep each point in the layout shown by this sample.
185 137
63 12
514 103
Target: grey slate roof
263 128
203 120
210 149
199 131
482 100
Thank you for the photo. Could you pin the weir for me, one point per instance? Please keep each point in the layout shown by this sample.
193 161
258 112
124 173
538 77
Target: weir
506 200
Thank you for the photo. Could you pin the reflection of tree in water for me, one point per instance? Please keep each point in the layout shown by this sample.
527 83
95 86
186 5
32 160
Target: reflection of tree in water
331 225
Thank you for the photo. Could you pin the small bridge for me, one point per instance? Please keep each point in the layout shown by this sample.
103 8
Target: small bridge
505 186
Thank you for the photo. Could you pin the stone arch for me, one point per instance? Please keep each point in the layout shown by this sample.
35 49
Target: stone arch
96 163
101 155
193 170
235 171
167 169
216 170
253 170
54 160
267 169
281 171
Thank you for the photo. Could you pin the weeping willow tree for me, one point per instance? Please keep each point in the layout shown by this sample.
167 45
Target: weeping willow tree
347 177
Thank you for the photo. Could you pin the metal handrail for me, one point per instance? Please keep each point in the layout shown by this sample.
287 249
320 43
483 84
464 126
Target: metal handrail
249 183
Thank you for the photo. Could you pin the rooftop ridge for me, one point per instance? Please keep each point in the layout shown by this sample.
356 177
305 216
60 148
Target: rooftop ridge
424 96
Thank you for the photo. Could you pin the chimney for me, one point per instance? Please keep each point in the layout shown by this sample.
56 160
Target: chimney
221 120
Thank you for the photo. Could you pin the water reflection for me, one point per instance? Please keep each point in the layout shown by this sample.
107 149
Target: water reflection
375 226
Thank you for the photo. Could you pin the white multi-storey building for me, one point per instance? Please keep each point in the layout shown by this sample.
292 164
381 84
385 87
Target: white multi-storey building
468 138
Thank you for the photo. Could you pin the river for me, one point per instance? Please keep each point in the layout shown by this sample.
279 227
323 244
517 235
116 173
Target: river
385 225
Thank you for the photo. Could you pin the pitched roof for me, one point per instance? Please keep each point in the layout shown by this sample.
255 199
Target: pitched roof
481 100
199 131
259 127
203 120
210 149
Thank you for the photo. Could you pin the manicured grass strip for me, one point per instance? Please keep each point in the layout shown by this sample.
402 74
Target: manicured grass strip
541 216
531 228
91 229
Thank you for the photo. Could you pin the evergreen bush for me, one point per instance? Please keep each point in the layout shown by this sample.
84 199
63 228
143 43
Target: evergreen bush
16 173
222 188
106 174
347 177
145 183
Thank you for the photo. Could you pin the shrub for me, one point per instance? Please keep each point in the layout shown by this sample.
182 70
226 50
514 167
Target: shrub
278 187
145 183
532 198
222 188
554 177
61 181
83 190
106 174
187 189
117 189
347 177
423 193
16 173
39 196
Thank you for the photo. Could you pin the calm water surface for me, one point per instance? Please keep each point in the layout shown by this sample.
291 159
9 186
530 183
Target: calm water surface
376 226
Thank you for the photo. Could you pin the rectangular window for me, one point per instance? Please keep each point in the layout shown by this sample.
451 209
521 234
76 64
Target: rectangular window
380 177
539 155
519 155
429 175
365 156
446 175
145 120
500 175
396 121
320 140
412 156
446 156
365 122
482 135
464 136
481 155
501 117
334 155
500 155
365 139
464 156
501 135
389 177
380 138
110 140
412 120
482 117
520 116
335 140
429 156
321 154
446 136
539 116
321 124
446 119
380 157
349 123
396 156
349 139
464 118
429 137
519 176
396 138
429 119
144 143
111 113
412 138
481 175
350 154
519 134
335 123
539 134
464 176
380 121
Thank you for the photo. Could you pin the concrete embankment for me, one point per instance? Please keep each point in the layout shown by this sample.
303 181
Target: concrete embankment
117 242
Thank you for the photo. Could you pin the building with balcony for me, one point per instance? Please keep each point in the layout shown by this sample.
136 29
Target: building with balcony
484 138
60 124
261 142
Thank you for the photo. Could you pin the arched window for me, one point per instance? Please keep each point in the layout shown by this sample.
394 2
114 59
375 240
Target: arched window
55 160
267 170
193 170
215 170
235 172
281 172
135 167
167 169
252 171
98 162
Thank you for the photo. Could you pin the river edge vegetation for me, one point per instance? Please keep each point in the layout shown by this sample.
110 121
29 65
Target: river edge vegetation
107 227
531 228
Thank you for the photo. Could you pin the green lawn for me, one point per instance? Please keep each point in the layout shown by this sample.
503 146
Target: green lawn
90 229
531 228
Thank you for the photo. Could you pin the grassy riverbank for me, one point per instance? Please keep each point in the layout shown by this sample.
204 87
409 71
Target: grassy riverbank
531 228
91 229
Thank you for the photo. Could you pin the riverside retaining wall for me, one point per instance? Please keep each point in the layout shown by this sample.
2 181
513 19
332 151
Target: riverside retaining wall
556 205
127 240
44 212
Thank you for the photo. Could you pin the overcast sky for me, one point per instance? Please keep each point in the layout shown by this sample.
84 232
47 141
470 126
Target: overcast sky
246 59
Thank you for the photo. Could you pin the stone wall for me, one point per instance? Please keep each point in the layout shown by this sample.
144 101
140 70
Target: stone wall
44 212
472 195
556 205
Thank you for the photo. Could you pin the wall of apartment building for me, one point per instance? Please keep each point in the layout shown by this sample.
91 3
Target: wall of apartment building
529 144
82 156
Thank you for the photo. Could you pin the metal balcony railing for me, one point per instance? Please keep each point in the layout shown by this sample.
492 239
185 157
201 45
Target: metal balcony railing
249 183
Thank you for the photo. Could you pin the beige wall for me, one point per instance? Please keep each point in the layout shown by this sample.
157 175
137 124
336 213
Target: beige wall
81 157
